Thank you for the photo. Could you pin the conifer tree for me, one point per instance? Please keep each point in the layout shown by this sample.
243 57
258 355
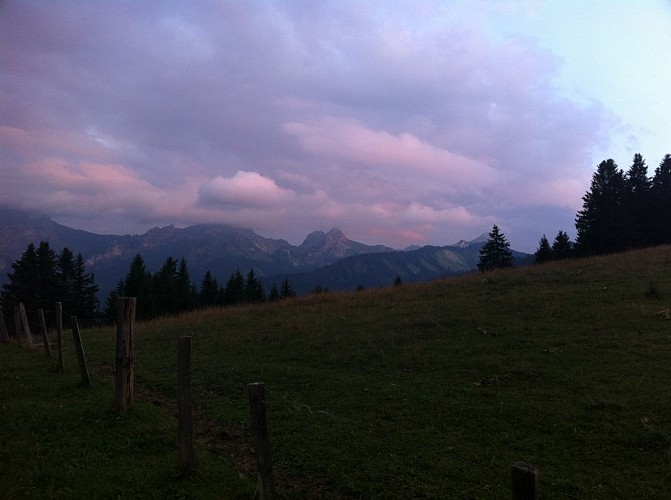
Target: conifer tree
253 292
286 290
638 205
139 283
84 292
496 252
561 246
209 291
661 202
186 292
165 284
599 223
274 293
234 292
543 252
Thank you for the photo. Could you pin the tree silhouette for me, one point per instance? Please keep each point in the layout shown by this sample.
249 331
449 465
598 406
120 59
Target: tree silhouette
543 252
599 223
561 246
496 252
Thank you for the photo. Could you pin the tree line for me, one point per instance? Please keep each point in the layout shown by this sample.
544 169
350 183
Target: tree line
41 277
171 290
621 211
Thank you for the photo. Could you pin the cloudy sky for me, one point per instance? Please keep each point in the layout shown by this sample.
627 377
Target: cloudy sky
400 122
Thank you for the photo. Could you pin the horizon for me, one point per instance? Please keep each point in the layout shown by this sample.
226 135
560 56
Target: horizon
404 123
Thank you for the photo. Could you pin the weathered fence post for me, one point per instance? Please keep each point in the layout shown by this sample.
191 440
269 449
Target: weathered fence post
45 335
125 362
184 402
4 335
83 368
26 326
525 481
59 335
17 325
264 464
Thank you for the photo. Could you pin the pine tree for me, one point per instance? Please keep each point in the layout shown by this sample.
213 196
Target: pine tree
139 283
638 204
286 290
84 290
661 202
186 292
253 292
234 293
561 246
21 287
496 252
165 284
274 294
544 252
111 304
47 288
209 291
600 222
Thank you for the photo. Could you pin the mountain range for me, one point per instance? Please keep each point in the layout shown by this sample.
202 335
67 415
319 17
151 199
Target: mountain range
328 260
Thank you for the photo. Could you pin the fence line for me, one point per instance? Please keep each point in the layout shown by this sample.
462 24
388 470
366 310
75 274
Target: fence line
524 477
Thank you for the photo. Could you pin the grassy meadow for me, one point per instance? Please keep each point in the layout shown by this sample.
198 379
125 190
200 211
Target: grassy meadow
417 391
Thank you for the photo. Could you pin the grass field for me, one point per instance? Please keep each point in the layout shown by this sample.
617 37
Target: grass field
417 391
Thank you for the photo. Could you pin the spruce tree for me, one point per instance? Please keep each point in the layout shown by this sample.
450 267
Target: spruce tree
638 205
209 291
84 290
186 292
253 292
661 202
496 252
286 290
561 246
165 283
543 252
234 293
139 283
599 224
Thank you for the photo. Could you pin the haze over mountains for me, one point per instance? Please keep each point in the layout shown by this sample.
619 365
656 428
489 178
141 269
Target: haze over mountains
329 260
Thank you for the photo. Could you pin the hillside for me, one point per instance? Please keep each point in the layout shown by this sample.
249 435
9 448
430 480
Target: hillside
430 390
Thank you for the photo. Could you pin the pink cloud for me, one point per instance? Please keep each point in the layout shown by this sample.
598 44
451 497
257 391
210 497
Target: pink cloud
350 141
244 189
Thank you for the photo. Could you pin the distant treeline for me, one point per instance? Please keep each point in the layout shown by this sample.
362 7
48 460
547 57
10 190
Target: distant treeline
171 290
621 211
41 277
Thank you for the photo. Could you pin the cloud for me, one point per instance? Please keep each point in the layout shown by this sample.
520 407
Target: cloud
405 121
245 189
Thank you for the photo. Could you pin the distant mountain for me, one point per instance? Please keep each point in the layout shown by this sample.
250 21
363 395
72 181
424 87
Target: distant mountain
218 248
330 259
382 269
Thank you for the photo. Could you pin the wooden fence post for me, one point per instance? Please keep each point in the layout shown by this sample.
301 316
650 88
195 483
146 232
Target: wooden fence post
59 335
83 368
125 352
17 325
26 326
525 481
45 335
264 464
4 335
185 402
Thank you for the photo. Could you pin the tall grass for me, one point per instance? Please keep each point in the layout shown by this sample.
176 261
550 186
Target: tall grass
430 390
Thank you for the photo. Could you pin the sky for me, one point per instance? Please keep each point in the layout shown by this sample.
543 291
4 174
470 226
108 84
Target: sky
399 122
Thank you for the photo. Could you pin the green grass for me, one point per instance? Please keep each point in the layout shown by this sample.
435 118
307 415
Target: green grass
418 391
